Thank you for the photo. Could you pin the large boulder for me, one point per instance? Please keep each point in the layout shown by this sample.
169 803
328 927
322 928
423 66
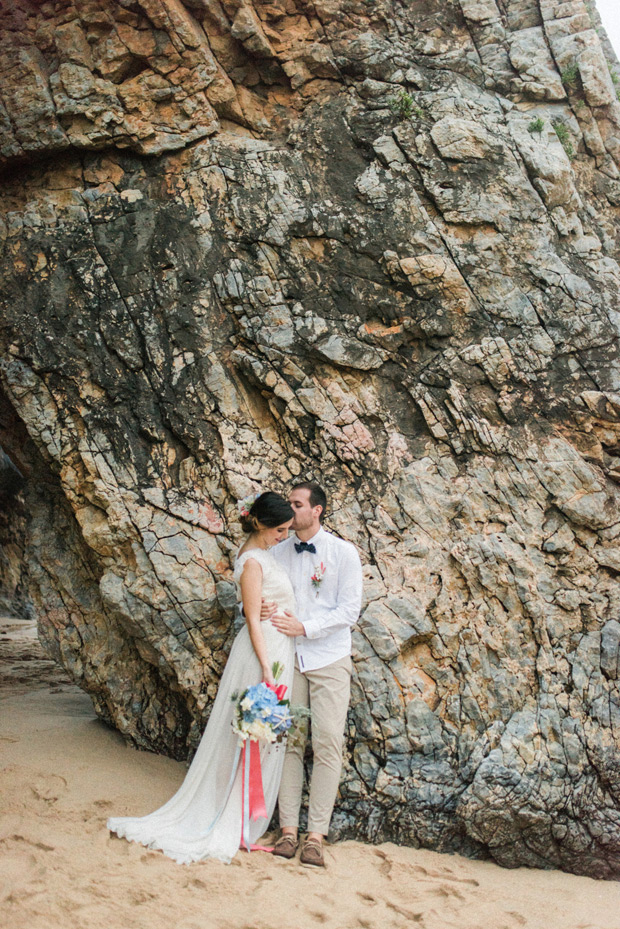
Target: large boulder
371 243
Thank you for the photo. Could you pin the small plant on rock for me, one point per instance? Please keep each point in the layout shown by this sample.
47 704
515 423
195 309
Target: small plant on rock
537 125
564 136
569 75
404 106
615 80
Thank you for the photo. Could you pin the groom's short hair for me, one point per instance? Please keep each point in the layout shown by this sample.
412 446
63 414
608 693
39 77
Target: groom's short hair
318 497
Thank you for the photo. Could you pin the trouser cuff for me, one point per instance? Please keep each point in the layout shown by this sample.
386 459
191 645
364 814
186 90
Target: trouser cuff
321 828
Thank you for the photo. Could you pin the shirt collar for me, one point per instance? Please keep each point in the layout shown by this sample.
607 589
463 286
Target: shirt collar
317 537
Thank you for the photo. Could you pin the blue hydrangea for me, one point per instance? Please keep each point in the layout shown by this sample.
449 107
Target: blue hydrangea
262 697
279 718
258 701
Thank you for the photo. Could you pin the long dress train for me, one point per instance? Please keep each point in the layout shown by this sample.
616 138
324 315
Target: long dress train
180 828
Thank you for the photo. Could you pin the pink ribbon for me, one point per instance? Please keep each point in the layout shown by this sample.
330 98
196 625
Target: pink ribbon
279 691
253 799
257 795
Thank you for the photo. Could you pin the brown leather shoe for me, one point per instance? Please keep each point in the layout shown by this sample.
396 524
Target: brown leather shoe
286 846
312 853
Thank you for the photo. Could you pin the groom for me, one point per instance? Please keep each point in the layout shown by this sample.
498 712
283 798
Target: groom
326 574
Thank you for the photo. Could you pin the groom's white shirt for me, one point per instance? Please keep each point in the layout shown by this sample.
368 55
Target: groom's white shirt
328 613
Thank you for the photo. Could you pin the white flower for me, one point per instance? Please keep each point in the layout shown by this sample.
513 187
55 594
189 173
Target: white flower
244 506
259 730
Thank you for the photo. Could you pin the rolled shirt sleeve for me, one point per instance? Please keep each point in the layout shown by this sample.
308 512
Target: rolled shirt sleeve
327 619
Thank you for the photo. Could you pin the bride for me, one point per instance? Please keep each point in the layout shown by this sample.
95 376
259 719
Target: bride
203 819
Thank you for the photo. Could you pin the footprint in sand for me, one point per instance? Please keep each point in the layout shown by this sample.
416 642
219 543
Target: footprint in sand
325 898
198 884
139 897
368 899
522 921
151 857
22 838
48 787
408 914
386 865
444 890
443 874
259 884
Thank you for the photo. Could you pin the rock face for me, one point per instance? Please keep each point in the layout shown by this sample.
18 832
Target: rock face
13 524
374 243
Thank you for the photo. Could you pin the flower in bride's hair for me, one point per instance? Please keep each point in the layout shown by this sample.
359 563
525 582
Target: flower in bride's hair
244 506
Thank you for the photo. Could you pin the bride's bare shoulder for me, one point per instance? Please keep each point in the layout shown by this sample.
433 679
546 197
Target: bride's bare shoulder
249 565
250 550
252 554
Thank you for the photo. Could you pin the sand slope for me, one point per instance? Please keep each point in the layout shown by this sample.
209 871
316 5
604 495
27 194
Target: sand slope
64 773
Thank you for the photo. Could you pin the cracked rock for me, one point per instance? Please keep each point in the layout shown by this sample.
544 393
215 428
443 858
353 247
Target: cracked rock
245 244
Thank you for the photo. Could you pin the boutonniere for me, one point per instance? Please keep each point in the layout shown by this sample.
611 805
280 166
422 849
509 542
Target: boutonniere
317 577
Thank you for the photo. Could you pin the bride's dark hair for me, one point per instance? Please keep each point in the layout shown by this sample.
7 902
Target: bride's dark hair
268 511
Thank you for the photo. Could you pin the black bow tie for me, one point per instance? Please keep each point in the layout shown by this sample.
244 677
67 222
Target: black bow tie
305 547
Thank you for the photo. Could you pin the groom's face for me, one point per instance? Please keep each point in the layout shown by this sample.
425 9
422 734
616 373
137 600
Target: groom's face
304 515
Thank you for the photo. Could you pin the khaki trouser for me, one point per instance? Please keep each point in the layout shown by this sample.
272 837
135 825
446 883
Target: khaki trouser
327 692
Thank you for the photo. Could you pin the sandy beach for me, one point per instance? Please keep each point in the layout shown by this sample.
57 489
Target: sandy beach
64 773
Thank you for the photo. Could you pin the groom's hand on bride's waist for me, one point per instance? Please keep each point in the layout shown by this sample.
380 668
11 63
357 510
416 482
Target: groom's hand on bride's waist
287 624
267 610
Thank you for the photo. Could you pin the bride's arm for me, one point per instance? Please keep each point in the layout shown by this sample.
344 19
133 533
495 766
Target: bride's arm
251 594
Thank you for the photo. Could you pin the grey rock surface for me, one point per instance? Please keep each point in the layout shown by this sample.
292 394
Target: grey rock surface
245 244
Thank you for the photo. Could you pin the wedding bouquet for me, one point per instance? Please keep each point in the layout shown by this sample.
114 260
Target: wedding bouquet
261 712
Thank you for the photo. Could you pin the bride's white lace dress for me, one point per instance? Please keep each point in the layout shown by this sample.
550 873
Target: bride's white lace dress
180 827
